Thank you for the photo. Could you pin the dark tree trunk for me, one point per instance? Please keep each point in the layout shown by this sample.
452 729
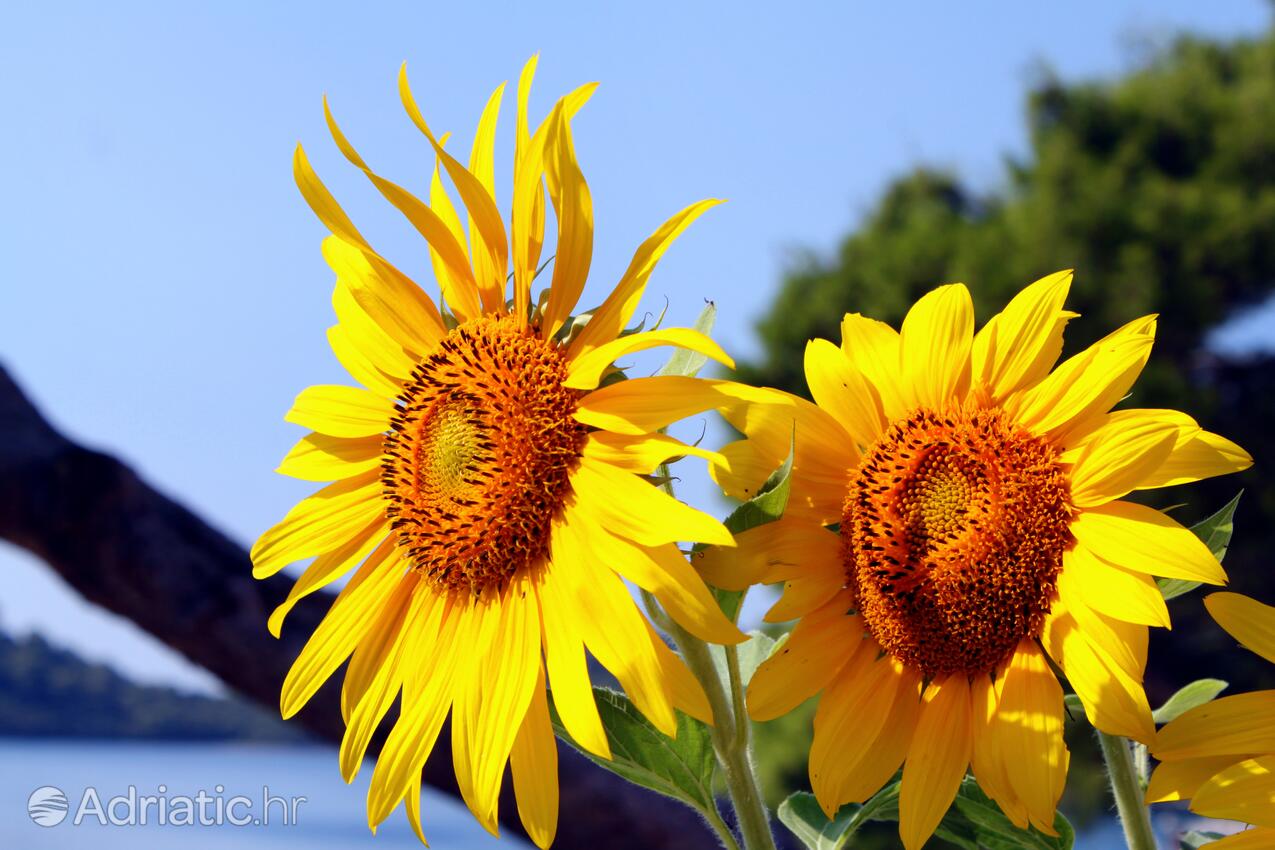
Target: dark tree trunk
138 553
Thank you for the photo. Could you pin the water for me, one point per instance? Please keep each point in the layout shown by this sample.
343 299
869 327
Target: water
331 815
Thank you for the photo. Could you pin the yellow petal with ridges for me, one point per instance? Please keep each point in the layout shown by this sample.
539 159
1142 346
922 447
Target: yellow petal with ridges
769 553
632 508
874 767
1118 458
937 759
1244 792
318 457
359 367
1114 701
812 655
645 405
534 765
573 207
988 761
482 164
843 391
934 346
371 340
566 665
1021 343
462 297
685 691
803 594
1029 726
1121 594
873 348
640 453
319 523
587 370
1205 455
1179 780
615 312
341 628
1247 620
327 568
397 305
1234 725
1144 540
1126 643
341 411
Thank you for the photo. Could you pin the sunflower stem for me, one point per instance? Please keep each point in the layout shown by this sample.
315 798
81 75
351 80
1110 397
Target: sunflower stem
1127 789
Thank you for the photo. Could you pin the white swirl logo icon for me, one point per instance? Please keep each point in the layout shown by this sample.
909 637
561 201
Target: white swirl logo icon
47 806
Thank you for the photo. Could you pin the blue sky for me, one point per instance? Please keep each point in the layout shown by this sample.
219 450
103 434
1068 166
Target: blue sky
163 296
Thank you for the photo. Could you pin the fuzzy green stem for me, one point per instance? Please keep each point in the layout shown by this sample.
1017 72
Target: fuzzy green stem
1127 789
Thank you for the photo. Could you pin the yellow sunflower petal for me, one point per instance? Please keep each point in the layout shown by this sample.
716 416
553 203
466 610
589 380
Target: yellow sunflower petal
988 760
369 339
573 207
397 305
327 568
482 164
776 551
1120 594
848 722
428 687
606 617
341 629
632 508
813 654
1029 726
936 760
815 494
318 457
319 524
1145 540
341 411
1023 342
478 201
587 369
567 668
359 367
663 571
1204 455
645 405
1118 458
640 453
1247 620
1087 385
934 345
839 388
373 679
1114 701
459 290
873 348
1179 780
685 691
1244 792
1248 839
615 312
1234 725
1126 643
874 768
528 233
412 805
419 214
534 765
804 593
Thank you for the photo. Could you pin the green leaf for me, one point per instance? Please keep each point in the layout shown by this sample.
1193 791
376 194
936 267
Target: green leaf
683 361
1197 693
767 506
1216 534
993 831
1195 839
802 815
680 767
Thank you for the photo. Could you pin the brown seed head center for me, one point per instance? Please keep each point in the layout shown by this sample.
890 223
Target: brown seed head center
953 532
478 459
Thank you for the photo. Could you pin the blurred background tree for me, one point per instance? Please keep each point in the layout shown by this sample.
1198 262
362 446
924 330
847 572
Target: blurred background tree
1159 189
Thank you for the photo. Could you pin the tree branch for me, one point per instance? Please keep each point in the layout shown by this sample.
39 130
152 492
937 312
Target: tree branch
132 550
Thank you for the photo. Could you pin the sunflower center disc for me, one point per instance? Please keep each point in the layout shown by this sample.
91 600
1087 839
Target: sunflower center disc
953 532
478 459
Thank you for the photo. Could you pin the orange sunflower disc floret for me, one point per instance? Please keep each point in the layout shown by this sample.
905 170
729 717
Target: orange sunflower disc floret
489 498
956 520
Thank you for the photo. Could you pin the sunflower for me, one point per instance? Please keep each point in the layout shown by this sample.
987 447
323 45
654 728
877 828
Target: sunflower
489 497
1221 755
956 521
